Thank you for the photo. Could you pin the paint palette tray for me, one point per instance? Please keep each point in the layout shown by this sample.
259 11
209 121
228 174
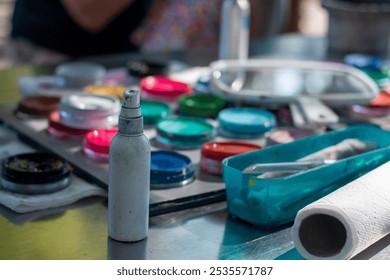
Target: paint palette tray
206 188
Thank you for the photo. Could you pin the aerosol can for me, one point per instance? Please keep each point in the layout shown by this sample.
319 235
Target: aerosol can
234 34
129 174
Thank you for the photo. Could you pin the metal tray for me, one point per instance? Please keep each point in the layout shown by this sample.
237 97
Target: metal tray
205 189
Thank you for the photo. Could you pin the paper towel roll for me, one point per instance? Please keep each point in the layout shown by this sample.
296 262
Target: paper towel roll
347 221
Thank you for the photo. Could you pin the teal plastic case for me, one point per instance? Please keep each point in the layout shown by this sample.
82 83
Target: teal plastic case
270 203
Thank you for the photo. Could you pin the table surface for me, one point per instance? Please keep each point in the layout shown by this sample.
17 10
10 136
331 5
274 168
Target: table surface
79 231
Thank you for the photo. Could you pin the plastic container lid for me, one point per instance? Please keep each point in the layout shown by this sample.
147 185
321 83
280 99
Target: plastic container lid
153 111
202 105
170 169
96 143
184 132
79 74
34 173
245 122
57 129
89 111
160 87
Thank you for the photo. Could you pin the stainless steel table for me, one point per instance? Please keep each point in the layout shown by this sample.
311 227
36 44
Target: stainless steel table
79 231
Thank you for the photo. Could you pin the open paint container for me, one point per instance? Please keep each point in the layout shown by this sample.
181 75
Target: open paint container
89 111
79 74
170 169
154 111
34 173
163 89
37 106
59 130
96 144
184 132
201 105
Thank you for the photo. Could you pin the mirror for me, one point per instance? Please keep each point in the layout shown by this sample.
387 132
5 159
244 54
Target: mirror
284 81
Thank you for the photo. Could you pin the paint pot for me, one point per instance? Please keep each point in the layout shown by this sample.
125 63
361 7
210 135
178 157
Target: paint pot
37 106
362 111
96 144
282 135
213 153
183 132
57 129
382 99
146 67
110 90
245 123
170 169
154 111
163 89
34 173
79 74
36 85
381 79
364 61
201 105
89 111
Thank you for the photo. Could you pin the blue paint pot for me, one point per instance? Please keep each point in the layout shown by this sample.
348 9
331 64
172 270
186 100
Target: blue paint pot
245 122
170 169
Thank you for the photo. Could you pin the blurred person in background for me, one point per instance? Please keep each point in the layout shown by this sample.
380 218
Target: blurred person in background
47 31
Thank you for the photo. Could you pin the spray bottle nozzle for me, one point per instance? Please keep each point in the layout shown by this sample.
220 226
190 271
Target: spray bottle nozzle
131 104
131 99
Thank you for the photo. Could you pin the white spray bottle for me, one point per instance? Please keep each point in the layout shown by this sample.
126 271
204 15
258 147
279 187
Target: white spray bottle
129 174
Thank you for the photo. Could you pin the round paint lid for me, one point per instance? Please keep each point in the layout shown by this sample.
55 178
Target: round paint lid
162 87
221 150
364 61
202 105
248 121
170 169
24 173
98 140
185 128
57 129
153 111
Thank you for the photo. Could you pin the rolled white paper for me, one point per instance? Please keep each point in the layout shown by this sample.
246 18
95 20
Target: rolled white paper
348 220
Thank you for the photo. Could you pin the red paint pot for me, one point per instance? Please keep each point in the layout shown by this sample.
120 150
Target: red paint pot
59 130
162 88
213 153
96 144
